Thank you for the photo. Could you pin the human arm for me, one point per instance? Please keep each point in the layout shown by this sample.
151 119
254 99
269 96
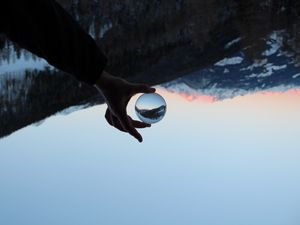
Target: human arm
44 28
47 30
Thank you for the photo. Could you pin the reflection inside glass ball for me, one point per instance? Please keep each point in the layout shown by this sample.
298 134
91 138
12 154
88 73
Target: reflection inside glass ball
150 108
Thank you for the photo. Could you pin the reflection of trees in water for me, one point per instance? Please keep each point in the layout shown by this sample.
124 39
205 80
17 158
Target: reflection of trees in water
37 96
153 114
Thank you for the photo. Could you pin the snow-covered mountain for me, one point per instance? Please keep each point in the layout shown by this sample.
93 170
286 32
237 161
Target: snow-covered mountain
236 75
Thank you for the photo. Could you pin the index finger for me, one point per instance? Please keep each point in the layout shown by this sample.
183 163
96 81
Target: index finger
128 126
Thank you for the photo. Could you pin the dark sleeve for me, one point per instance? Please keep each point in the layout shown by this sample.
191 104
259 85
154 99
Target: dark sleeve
47 30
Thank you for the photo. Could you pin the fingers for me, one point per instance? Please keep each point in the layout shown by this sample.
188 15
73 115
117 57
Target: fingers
139 124
126 124
143 88
113 121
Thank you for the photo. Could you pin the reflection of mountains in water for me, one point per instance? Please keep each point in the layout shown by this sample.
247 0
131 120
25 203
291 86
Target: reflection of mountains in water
152 114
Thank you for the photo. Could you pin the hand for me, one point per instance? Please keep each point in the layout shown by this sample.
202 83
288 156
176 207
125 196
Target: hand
117 92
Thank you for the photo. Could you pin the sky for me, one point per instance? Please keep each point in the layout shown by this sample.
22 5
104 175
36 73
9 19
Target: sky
227 162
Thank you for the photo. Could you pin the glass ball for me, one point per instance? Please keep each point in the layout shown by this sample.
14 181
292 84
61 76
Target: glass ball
150 108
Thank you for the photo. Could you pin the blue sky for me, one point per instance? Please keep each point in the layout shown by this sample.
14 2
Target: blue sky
229 162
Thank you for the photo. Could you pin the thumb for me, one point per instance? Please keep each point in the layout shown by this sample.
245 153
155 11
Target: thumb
143 88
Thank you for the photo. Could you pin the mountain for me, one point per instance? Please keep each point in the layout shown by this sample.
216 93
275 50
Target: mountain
275 70
194 47
144 39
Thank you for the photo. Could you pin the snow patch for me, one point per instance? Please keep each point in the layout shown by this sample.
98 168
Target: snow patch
230 61
275 42
23 64
226 70
72 109
105 28
233 42
256 64
26 61
92 32
269 70
296 75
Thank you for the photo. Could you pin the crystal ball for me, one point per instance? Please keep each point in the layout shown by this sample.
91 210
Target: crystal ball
150 108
